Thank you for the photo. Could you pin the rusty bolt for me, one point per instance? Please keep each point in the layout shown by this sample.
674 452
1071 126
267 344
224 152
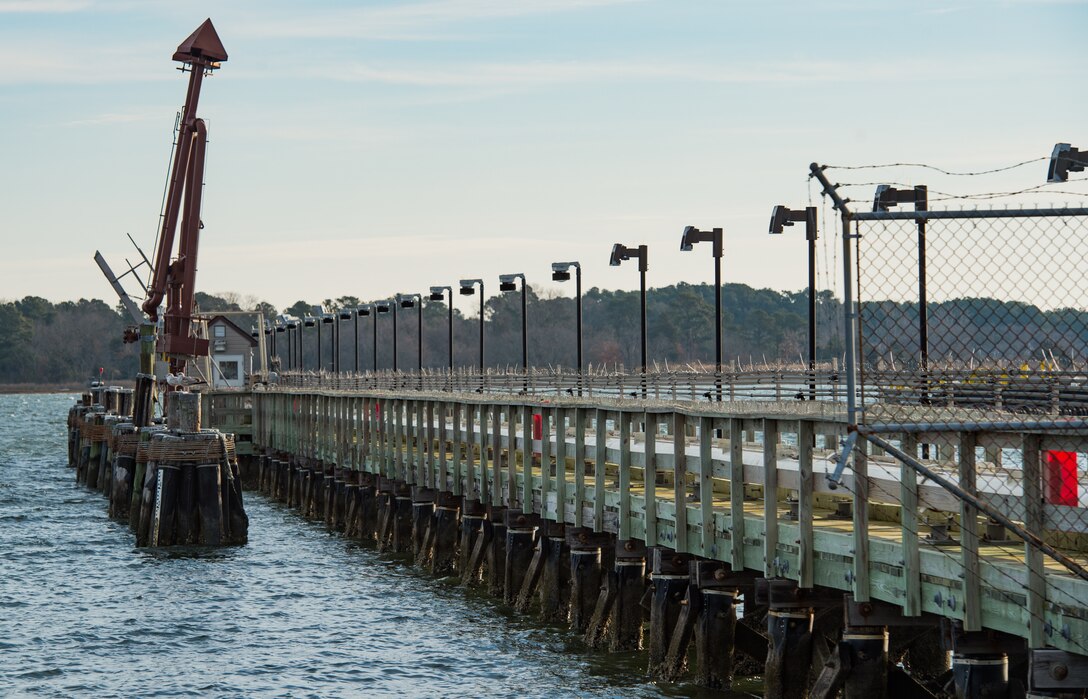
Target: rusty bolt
583 537
521 519
865 608
677 561
629 546
1059 671
719 574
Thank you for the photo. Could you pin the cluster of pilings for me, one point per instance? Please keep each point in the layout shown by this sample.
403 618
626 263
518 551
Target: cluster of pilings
620 595
174 483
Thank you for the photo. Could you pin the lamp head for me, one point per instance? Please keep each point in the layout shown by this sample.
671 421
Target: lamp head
345 314
780 217
383 307
561 270
253 333
507 281
619 254
284 328
438 293
292 323
365 309
407 300
326 318
690 237
309 321
1063 160
468 288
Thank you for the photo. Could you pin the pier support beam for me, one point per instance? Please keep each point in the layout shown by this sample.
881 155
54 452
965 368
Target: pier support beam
670 590
495 559
789 650
625 625
554 574
716 625
422 524
521 531
402 526
980 665
586 573
472 533
446 521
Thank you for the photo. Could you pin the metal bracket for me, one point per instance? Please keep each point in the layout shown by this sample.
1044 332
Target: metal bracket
835 478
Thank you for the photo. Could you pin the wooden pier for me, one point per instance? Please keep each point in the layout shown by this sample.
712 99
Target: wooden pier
580 508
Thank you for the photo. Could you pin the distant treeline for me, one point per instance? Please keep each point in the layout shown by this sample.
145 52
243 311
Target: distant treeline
42 342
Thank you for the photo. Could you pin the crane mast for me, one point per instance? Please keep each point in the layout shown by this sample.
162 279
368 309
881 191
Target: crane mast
175 279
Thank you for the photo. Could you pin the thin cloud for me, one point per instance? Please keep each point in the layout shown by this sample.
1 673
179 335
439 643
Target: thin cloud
415 21
42 6
115 118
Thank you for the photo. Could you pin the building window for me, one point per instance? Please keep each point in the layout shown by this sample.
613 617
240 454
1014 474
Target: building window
229 370
219 330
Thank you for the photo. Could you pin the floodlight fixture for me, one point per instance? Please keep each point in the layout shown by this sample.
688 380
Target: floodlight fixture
1063 160
782 216
309 321
693 235
888 196
620 253
345 314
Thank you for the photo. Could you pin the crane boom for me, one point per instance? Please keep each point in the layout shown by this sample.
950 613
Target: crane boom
202 52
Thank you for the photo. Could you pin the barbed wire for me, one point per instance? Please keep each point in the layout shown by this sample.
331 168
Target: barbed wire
935 168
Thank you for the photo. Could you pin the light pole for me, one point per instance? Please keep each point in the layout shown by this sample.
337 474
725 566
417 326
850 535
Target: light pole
620 253
326 319
391 308
415 301
781 217
346 314
887 197
309 322
467 289
691 236
561 273
293 353
507 283
367 309
436 295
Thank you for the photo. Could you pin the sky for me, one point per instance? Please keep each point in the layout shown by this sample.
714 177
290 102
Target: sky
371 148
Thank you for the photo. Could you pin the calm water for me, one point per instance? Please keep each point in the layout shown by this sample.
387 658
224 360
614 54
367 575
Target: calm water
295 613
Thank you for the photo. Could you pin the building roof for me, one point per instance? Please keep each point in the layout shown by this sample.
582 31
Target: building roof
226 321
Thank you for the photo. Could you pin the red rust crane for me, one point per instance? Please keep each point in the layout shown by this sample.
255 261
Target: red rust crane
200 54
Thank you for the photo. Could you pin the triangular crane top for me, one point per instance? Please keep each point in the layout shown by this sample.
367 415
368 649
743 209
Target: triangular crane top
204 44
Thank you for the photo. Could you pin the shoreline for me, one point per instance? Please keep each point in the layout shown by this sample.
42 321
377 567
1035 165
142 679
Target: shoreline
69 387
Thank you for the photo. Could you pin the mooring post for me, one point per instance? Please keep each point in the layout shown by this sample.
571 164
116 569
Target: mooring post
446 520
980 664
671 580
422 515
472 530
625 627
586 573
554 573
789 648
495 558
716 625
521 528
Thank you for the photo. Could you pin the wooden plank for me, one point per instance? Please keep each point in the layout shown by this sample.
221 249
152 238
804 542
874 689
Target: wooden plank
429 475
481 444
680 471
511 457
579 465
770 496
545 461
496 455
972 591
860 572
560 464
650 480
409 433
1033 522
912 579
806 438
706 487
527 458
736 493
459 485
601 424
625 476
442 481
